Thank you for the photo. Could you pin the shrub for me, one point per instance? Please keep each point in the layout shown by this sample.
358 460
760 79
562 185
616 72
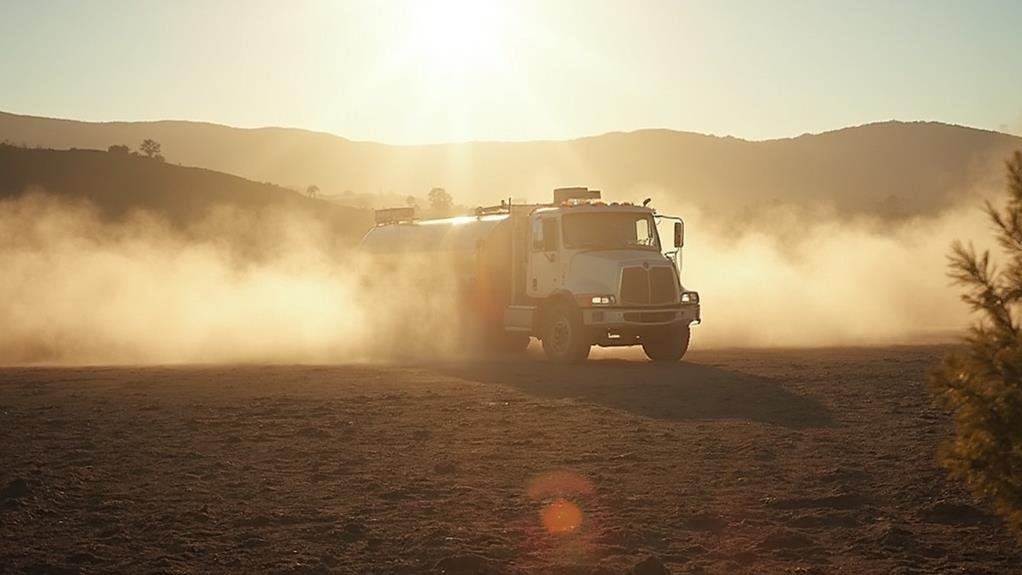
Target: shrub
982 384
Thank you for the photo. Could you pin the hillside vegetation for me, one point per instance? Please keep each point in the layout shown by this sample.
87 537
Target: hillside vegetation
119 183
891 169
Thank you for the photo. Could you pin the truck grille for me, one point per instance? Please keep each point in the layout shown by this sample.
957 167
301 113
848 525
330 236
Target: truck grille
653 286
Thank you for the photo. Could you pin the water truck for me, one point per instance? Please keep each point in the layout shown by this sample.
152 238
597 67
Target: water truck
574 273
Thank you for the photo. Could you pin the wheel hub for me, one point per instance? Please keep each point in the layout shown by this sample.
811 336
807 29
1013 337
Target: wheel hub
561 335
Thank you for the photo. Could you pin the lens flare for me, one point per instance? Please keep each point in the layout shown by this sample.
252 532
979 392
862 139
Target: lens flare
561 517
559 483
556 490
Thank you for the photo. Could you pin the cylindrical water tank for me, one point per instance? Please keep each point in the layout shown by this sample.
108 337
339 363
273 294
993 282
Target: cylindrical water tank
448 235
475 250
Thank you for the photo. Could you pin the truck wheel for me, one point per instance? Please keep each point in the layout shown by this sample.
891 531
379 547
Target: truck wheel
668 345
564 339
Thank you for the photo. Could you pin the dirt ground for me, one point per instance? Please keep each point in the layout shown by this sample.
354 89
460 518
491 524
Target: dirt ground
788 461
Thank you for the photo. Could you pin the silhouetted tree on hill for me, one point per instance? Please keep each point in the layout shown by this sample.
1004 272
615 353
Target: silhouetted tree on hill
151 149
982 385
439 200
312 191
119 149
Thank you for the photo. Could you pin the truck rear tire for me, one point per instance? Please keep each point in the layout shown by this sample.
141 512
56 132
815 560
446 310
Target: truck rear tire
667 345
564 338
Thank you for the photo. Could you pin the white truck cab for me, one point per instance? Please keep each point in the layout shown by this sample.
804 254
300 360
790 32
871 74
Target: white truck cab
600 275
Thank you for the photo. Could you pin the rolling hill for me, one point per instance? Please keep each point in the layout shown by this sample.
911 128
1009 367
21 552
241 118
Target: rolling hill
119 183
891 168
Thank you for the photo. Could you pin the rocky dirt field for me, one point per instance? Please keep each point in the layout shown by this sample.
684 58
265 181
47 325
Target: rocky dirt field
789 461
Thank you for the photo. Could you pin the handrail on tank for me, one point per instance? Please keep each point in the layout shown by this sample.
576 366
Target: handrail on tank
503 208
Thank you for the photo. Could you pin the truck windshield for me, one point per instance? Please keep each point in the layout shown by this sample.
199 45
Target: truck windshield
610 230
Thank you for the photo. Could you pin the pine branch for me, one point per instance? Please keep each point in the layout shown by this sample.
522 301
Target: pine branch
1007 225
980 278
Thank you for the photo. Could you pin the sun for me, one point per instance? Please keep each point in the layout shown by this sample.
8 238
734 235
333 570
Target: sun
457 39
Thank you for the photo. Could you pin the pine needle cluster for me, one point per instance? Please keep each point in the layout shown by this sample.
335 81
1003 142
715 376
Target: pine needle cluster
981 385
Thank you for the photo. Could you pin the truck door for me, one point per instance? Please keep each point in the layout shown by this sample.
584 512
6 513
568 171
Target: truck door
544 252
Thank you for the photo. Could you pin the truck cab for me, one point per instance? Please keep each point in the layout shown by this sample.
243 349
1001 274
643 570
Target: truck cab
599 274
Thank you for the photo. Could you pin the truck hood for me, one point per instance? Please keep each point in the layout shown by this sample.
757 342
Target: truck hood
599 272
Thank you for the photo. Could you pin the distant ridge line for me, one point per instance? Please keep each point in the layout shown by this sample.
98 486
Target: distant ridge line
636 131
892 169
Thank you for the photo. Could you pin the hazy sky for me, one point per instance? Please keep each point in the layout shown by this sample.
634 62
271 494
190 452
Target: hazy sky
439 70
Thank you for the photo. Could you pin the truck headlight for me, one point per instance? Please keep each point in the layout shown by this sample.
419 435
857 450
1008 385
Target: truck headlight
690 297
594 300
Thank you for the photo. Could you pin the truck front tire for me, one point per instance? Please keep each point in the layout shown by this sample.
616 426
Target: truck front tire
564 338
667 345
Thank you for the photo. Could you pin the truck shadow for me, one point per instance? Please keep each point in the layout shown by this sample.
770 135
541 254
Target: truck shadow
676 392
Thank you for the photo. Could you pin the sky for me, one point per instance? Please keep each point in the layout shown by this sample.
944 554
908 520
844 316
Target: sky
406 72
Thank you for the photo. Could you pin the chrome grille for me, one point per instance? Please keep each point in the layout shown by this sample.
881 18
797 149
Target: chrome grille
634 286
662 287
653 286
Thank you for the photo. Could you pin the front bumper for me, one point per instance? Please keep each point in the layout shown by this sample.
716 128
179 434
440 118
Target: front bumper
638 317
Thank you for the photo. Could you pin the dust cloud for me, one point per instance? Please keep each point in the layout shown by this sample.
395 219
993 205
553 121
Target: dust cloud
78 289
234 287
810 278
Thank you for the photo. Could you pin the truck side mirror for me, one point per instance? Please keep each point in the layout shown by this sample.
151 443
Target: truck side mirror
679 234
